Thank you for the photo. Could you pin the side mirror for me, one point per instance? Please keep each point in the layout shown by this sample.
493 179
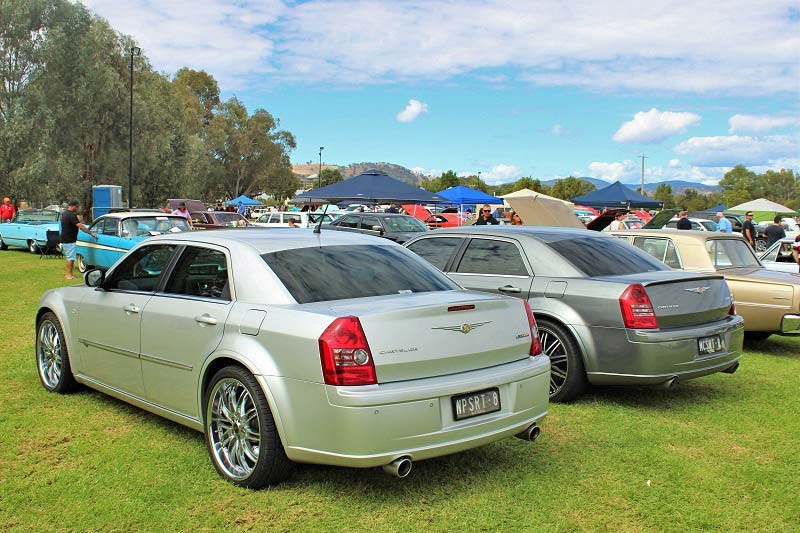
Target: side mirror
94 278
379 229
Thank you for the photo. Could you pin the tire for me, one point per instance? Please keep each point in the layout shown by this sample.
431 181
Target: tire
756 336
82 266
52 356
254 457
32 247
3 245
567 373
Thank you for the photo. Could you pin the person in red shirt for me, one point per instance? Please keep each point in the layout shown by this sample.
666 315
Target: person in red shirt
7 210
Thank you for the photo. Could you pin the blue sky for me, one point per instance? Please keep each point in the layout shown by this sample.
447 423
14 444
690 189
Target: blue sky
506 88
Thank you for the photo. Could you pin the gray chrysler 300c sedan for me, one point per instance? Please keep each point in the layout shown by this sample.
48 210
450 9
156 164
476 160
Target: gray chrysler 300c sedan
285 345
607 312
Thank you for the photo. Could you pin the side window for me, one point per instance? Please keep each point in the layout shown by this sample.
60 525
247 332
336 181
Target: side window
772 256
672 259
497 258
200 272
262 219
655 247
370 222
141 270
274 218
696 226
129 228
105 226
348 221
437 251
672 225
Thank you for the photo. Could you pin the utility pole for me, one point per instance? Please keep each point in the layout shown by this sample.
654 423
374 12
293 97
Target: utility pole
319 174
135 51
643 158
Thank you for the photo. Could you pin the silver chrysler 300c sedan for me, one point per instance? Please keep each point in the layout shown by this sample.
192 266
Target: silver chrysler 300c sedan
289 346
608 313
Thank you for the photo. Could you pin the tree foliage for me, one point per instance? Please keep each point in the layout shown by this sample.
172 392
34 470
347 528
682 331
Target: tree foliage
570 188
64 118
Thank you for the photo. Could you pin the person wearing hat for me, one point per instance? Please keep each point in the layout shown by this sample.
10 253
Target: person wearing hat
749 229
70 224
7 210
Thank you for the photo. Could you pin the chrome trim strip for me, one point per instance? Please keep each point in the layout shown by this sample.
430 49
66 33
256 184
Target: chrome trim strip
101 246
166 362
147 405
121 351
489 275
223 301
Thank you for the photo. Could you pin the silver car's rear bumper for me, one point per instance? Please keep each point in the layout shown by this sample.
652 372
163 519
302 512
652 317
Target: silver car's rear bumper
373 425
652 357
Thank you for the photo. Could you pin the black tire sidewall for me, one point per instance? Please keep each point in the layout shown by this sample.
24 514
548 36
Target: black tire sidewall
576 381
66 382
273 466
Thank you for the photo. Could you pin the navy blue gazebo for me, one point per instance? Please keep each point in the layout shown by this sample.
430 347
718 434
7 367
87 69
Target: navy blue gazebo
372 186
617 196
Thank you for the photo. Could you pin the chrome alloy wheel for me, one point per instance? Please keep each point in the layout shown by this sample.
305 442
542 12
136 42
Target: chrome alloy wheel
234 428
48 352
554 348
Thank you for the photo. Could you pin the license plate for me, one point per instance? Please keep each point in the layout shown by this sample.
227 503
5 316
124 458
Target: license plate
476 403
707 345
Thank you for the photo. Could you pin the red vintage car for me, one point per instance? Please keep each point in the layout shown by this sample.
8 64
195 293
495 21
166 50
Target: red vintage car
448 218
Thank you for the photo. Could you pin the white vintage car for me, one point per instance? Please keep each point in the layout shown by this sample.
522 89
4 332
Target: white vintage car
779 257
289 346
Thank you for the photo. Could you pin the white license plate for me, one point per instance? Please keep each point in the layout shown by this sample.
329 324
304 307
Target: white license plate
476 403
707 345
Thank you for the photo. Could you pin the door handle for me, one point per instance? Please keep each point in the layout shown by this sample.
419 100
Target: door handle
131 308
509 288
206 319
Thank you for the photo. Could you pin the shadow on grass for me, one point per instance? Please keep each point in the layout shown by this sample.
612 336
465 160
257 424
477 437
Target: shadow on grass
697 391
777 346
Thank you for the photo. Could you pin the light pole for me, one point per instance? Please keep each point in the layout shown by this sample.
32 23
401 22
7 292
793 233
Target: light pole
135 51
319 174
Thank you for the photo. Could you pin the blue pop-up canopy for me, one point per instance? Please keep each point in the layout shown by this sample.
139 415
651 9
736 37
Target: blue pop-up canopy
245 201
370 186
616 195
718 208
465 196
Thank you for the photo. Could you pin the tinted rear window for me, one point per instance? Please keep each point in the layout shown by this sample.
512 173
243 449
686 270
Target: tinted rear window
327 273
605 257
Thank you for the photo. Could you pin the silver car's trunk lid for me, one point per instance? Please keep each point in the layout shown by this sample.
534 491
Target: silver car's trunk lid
684 299
431 334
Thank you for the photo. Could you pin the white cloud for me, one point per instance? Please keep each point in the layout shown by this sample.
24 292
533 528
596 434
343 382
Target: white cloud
739 150
501 174
661 45
674 163
558 130
654 126
412 111
761 123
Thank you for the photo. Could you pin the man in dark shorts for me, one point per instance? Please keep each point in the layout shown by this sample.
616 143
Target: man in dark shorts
70 224
774 231
749 230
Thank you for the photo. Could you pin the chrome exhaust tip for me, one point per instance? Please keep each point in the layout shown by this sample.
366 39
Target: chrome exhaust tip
530 434
671 383
399 468
731 369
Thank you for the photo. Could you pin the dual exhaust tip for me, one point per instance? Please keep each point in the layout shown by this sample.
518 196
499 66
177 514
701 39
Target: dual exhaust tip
401 467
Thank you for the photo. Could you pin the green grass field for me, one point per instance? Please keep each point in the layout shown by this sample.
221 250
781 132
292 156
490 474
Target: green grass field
721 452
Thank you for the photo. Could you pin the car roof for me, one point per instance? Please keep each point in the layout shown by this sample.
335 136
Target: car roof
265 240
140 214
541 233
683 234
378 214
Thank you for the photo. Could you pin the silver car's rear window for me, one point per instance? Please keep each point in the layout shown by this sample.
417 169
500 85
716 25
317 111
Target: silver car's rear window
321 274
605 257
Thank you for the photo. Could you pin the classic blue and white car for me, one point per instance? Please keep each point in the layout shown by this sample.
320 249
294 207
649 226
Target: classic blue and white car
29 229
119 232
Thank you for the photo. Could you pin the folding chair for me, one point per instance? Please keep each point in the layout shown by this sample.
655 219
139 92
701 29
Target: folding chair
51 246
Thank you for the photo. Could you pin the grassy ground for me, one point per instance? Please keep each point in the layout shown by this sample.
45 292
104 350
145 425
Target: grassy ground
721 452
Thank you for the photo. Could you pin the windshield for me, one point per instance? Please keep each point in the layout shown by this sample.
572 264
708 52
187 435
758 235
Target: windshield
230 219
731 253
320 274
634 224
137 227
314 218
710 226
36 216
402 224
605 257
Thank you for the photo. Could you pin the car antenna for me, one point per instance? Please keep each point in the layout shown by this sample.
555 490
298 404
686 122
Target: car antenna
318 229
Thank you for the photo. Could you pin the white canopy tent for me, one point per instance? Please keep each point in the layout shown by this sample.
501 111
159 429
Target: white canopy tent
537 209
762 204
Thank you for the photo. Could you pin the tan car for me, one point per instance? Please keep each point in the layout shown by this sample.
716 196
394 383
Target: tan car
768 301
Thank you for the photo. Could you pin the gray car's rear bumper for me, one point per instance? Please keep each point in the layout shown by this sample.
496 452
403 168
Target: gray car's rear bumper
651 357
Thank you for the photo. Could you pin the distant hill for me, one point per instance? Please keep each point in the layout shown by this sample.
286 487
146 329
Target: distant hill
599 184
390 169
678 186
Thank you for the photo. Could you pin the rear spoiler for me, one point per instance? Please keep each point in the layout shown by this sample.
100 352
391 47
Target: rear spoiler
703 277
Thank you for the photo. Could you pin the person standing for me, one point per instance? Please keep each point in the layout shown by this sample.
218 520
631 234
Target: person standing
774 231
683 221
749 229
515 219
241 209
7 210
70 224
796 251
723 224
616 224
486 218
392 208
